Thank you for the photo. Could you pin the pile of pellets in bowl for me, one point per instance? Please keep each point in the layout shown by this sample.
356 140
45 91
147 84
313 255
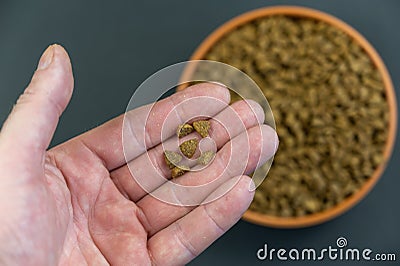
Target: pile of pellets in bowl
329 105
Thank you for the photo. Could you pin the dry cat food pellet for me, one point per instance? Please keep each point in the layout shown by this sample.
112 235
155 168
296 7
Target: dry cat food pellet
206 157
188 148
179 171
202 127
172 158
329 104
184 130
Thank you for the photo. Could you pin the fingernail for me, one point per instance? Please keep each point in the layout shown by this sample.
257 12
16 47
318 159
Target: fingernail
252 186
47 58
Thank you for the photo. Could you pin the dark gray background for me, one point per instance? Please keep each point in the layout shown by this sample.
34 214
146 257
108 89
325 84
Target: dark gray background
115 45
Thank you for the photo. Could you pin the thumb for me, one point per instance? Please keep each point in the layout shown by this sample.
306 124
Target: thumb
31 124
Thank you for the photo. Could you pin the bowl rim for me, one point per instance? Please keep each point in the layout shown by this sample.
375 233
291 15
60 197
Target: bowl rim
304 12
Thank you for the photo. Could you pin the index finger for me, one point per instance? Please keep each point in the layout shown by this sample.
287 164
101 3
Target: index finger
143 126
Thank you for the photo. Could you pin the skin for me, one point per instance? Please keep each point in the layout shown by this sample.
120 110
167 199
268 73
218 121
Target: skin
77 203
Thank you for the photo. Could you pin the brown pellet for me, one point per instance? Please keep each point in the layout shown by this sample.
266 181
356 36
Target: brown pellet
179 171
202 127
188 148
172 158
206 157
184 130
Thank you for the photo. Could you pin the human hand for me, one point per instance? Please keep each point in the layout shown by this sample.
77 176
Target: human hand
78 203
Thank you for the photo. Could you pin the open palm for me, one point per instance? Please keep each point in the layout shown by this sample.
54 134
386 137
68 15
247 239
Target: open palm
80 204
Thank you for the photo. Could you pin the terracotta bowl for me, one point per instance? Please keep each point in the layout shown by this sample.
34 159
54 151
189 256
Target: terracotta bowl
317 218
